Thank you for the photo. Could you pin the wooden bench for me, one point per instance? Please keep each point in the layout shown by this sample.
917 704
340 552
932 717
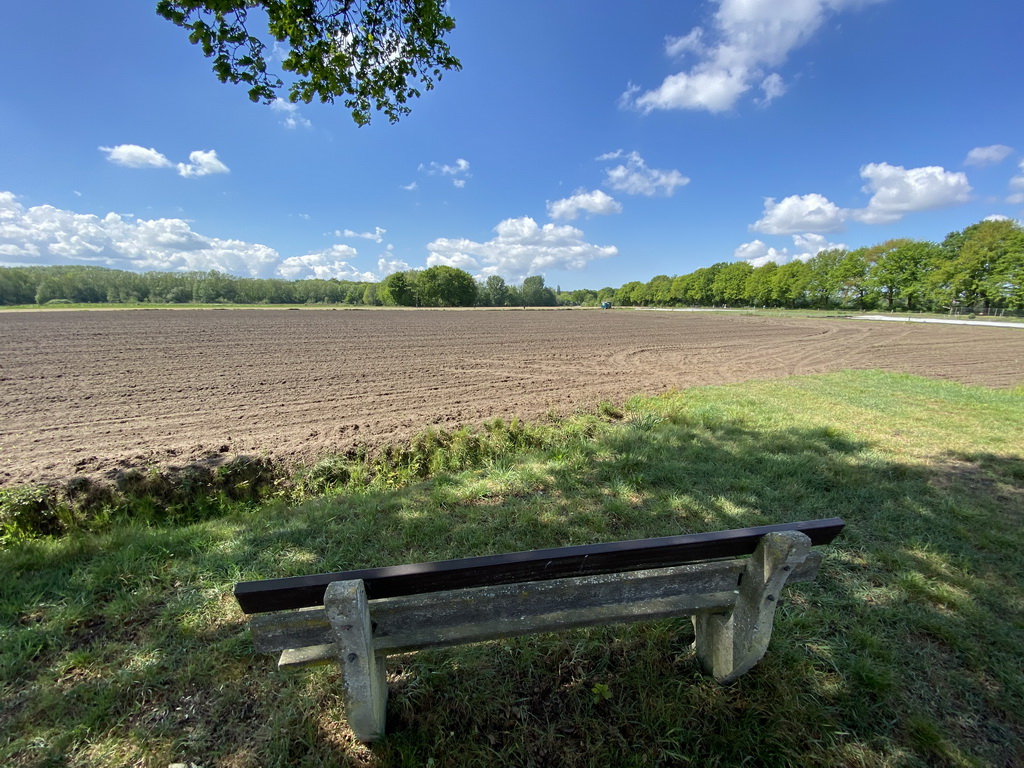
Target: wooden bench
357 618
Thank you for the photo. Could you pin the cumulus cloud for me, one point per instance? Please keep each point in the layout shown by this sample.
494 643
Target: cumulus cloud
800 213
202 163
520 248
634 177
596 202
896 191
459 170
134 156
48 235
330 264
748 39
759 254
387 267
806 246
291 117
990 155
809 245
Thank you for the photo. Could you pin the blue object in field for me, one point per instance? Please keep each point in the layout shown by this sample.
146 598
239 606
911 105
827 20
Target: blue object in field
606 305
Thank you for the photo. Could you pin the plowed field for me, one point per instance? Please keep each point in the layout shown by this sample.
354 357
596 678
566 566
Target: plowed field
90 392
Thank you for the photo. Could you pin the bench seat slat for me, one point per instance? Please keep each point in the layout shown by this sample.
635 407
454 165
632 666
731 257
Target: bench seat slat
491 570
485 613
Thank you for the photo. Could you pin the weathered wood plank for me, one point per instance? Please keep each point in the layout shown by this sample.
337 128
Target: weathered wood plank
492 570
470 615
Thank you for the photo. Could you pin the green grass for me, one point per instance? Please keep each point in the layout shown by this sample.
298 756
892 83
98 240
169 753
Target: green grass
124 646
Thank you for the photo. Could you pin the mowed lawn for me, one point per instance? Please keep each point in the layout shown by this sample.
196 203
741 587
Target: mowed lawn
123 646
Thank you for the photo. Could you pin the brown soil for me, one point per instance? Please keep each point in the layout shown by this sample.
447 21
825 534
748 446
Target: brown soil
91 392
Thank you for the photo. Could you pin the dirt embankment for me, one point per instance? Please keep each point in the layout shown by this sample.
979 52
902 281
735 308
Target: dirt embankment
85 393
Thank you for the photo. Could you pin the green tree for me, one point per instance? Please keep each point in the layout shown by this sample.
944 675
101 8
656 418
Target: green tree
700 289
444 286
16 286
374 54
789 284
630 294
730 284
759 285
851 277
987 265
535 294
370 298
901 269
398 290
824 284
497 290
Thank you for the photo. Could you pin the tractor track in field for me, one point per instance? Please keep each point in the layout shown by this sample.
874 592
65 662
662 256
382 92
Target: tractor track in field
98 391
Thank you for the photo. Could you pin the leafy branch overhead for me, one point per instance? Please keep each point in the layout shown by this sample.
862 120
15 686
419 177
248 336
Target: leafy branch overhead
373 54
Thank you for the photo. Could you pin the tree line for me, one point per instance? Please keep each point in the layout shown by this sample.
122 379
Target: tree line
439 286
978 269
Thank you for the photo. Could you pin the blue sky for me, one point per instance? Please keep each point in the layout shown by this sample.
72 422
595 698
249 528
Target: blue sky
593 143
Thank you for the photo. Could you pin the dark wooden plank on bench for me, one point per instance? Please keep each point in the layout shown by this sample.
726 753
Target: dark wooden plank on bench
492 570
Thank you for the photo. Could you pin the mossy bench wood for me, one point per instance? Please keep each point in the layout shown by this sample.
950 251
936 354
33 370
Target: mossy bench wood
357 618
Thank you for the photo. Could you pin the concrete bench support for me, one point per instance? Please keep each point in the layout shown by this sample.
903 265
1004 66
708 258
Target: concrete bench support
362 671
729 644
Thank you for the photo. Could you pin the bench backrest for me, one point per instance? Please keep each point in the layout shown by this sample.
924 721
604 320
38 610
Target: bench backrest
537 565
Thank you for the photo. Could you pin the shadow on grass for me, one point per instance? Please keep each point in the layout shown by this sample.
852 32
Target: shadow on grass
906 650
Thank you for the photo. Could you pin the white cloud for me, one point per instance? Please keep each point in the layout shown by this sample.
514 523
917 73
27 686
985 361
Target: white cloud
521 248
1017 182
410 187
806 246
52 235
596 202
759 254
715 90
455 259
810 245
898 191
749 39
895 191
634 177
202 163
693 42
387 267
772 87
991 155
376 236
134 156
290 115
997 217
330 264
459 170
800 213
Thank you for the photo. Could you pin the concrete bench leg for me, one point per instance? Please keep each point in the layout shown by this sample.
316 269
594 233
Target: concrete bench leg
728 645
365 685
